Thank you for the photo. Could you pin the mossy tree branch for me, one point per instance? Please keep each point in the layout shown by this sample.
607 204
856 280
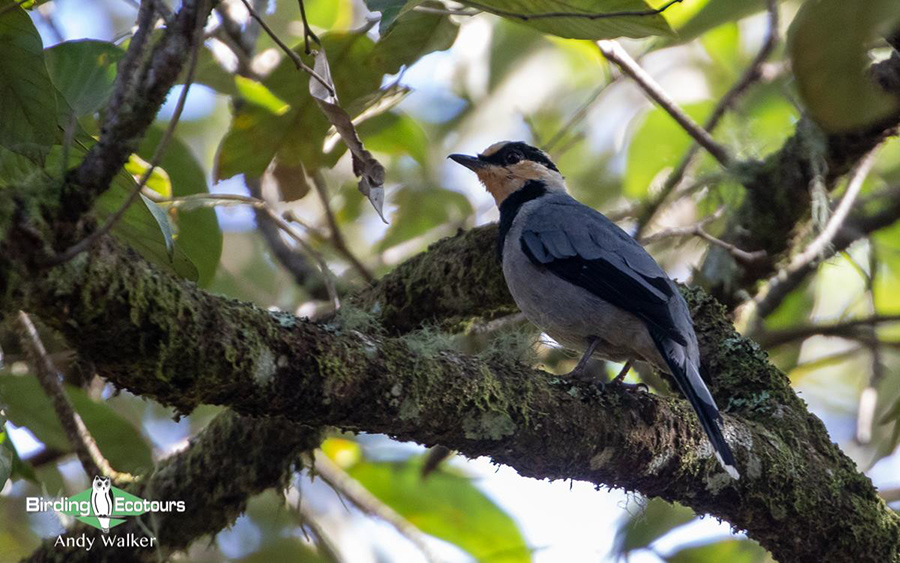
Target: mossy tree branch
801 497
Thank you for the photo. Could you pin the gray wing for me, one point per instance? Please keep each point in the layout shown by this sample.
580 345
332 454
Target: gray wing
583 247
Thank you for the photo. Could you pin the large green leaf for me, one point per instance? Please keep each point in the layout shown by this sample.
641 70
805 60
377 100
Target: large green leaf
198 234
580 27
414 36
658 143
446 505
84 72
138 226
28 406
828 43
649 524
27 99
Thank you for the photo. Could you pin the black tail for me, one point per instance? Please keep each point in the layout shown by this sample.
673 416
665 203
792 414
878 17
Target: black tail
692 386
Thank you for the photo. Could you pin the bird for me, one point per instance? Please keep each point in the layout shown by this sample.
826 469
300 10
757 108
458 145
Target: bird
587 283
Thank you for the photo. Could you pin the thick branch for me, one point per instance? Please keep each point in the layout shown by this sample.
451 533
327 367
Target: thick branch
152 334
140 91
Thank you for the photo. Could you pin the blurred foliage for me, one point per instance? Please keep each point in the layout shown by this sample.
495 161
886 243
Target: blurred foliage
420 84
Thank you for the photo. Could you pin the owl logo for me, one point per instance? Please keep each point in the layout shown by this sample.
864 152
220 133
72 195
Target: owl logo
101 501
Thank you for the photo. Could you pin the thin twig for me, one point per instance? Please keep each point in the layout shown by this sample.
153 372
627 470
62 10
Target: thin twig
579 114
846 329
750 76
79 436
295 58
337 236
580 15
332 474
818 246
89 240
307 31
699 230
618 56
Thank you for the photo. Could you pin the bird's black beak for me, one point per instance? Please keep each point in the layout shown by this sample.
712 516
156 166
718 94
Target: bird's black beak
470 162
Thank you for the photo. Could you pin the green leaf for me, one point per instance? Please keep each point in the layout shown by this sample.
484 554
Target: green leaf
414 36
581 27
251 143
158 181
137 227
828 44
421 210
716 13
198 233
390 11
658 144
446 505
653 522
396 134
165 227
84 72
255 93
118 440
733 551
28 107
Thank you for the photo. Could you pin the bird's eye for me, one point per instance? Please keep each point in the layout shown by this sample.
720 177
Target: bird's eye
514 157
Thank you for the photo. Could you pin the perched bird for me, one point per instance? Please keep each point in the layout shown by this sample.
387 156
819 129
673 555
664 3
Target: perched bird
586 282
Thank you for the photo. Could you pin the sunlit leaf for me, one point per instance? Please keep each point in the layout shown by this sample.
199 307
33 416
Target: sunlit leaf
255 93
28 108
84 72
581 27
158 181
828 44
118 440
447 506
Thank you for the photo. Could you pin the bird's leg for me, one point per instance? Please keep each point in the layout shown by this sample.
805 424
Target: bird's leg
621 377
578 371
619 380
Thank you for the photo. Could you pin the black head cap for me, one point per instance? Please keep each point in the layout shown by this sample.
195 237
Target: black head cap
505 154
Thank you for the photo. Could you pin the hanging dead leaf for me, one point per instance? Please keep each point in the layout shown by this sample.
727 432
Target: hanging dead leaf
369 171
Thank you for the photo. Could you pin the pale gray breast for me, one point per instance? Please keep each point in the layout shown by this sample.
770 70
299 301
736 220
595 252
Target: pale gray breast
568 313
